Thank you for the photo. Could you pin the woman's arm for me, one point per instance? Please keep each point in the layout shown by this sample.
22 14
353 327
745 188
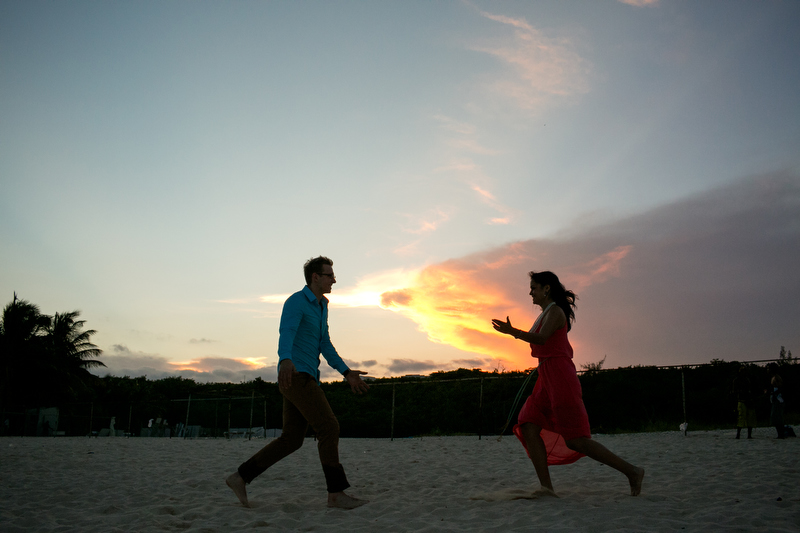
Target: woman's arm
553 320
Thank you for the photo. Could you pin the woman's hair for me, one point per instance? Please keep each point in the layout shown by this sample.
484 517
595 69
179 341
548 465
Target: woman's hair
558 293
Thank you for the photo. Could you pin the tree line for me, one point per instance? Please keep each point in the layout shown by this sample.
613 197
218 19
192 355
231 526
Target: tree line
459 402
45 362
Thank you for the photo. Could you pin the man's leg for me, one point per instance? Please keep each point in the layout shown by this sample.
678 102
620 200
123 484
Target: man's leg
310 402
314 406
291 439
292 435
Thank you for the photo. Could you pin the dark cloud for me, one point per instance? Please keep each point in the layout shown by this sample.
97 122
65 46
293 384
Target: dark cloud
713 276
121 361
474 363
364 364
404 366
202 341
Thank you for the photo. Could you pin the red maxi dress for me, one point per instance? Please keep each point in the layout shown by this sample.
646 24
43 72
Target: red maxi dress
556 404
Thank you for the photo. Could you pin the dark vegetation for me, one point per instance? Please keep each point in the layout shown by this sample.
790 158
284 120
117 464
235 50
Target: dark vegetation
44 366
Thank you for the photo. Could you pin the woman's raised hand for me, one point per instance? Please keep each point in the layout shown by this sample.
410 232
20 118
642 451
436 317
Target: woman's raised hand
503 327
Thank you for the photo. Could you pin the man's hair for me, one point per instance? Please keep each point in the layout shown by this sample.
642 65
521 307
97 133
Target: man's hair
314 266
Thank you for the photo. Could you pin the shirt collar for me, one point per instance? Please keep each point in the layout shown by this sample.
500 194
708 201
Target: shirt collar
312 297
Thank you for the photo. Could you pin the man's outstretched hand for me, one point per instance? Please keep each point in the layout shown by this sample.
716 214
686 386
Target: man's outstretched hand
357 384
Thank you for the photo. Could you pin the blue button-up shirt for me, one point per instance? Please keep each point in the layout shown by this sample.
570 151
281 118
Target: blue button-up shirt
304 334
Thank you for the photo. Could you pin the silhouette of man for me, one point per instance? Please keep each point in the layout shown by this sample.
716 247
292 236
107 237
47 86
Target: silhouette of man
303 337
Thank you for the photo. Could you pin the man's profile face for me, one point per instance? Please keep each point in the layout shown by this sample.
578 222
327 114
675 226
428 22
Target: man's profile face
325 279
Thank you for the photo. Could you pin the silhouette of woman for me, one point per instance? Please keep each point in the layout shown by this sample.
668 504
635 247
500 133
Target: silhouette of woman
553 425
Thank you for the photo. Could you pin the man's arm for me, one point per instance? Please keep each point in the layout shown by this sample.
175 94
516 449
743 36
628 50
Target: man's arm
291 316
329 352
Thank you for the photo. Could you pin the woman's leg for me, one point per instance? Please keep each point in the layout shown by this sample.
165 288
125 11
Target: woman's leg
598 452
538 453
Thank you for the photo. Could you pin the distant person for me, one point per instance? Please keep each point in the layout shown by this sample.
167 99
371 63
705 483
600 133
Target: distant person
553 425
775 393
745 404
303 337
111 431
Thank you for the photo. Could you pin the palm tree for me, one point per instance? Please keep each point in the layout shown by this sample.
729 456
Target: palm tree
71 353
22 349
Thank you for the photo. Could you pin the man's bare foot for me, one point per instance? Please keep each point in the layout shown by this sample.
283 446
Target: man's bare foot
341 500
238 486
636 481
545 491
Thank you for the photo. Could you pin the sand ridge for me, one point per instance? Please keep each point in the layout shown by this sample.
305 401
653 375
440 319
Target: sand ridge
705 481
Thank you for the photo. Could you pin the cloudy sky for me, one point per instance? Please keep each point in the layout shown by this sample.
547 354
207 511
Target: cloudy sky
166 168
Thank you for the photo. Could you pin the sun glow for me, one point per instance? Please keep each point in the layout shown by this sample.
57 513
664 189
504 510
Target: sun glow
454 302
453 306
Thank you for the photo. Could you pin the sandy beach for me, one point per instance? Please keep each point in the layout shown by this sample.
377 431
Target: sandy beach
702 482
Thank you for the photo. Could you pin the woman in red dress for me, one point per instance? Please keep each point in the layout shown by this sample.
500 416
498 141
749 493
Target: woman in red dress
553 425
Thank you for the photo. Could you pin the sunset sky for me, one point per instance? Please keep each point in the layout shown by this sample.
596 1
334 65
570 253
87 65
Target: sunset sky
166 168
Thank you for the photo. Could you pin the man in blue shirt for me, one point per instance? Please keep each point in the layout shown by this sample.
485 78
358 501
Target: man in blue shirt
303 337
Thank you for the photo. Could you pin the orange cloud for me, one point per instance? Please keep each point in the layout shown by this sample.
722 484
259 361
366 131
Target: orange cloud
453 302
454 307
208 364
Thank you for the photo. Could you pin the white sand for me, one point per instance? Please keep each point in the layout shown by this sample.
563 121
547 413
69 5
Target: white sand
707 481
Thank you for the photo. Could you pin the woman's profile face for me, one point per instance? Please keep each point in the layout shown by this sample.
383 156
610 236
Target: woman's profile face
539 293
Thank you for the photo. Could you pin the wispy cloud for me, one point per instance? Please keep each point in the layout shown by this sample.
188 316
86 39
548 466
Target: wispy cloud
640 3
490 200
427 222
542 69
408 249
274 298
486 194
463 136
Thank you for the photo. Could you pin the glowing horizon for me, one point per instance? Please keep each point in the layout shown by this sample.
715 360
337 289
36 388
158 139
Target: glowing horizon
437 152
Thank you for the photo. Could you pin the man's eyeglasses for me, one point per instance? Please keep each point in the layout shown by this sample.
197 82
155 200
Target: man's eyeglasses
332 276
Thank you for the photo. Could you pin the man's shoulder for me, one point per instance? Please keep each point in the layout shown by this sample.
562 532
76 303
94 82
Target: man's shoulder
302 296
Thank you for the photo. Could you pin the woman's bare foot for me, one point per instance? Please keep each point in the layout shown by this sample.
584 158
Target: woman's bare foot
238 486
341 500
636 481
545 491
